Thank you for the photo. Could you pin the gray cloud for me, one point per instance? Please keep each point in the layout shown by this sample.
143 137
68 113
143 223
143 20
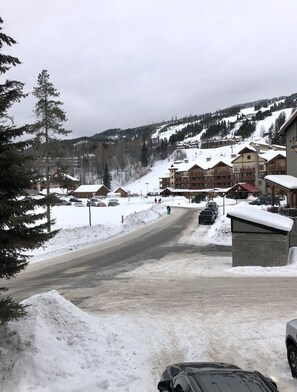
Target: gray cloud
123 63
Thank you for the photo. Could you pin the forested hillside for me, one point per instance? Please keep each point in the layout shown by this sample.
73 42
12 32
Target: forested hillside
127 154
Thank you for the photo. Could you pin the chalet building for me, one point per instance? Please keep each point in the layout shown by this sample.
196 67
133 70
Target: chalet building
269 163
184 175
164 182
250 166
287 183
121 192
217 142
244 165
189 176
242 190
289 129
88 191
219 174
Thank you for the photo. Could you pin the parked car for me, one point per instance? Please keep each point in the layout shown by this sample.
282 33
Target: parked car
74 200
91 203
113 203
291 344
214 210
212 204
101 204
210 377
207 217
61 202
28 198
264 200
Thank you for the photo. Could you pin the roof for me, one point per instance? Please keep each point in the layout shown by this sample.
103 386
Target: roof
89 188
247 148
286 181
184 167
223 160
246 186
204 190
288 123
271 154
261 217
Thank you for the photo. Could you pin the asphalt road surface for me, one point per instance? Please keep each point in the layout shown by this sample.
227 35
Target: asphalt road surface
94 278
89 267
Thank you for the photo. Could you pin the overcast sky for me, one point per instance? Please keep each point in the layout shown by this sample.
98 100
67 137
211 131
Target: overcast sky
125 63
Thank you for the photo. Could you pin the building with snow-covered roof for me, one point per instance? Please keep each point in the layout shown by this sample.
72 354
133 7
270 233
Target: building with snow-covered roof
259 237
219 173
287 183
289 130
88 191
284 184
188 176
252 165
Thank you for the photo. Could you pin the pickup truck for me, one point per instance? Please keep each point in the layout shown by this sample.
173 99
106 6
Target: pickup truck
291 344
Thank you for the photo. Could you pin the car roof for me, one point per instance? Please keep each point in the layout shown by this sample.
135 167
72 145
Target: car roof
230 380
176 368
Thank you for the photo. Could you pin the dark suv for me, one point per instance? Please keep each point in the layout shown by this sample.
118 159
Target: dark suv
210 377
264 200
207 217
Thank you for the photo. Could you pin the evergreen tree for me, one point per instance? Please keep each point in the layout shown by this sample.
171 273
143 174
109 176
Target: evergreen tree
50 118
106 177
144 155
280 121
164 148
246 129
18 229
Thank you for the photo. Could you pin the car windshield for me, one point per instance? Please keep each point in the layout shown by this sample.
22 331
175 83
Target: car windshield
231 382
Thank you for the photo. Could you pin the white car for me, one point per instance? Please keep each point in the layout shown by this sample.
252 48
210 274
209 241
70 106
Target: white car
291 344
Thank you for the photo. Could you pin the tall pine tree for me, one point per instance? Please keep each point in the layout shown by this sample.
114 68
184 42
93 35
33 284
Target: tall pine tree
18 229
50 118
106 177
144 155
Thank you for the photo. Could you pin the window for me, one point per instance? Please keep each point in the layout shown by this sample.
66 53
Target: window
248 157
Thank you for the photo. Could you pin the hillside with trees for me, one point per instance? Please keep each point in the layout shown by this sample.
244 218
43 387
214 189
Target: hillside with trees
125 154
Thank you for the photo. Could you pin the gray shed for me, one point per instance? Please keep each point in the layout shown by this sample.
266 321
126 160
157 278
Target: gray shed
259 237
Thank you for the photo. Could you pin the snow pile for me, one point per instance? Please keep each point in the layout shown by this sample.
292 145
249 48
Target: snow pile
141 218
57 347
115 221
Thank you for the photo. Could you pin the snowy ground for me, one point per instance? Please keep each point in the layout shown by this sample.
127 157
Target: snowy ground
57 347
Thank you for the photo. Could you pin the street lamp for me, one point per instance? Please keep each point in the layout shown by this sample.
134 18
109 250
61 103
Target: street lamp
147 184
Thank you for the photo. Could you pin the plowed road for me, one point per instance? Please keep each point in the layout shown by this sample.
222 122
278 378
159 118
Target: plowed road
84 276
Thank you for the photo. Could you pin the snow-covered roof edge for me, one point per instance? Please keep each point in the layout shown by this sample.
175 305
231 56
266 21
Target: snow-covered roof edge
261 217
